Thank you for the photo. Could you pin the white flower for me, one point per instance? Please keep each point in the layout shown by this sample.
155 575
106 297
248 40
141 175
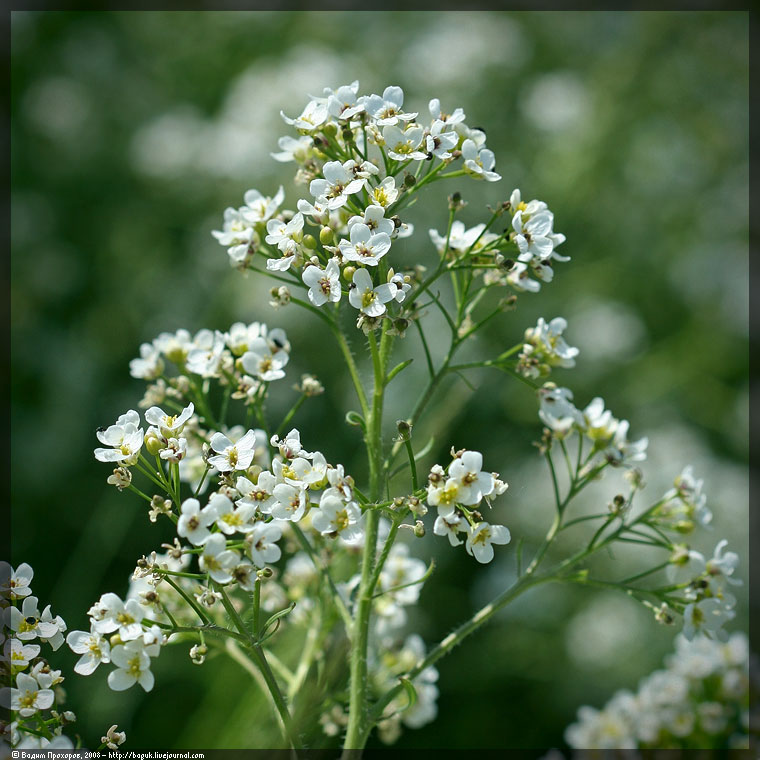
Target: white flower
290 447
461 239
16 582
323 284
598 424
374 218
312 116
262 542
338 183
622 451
27 698
149 365
170 425
545 345
480 538
473 484
205 357
449 119
385 194
401 285
28 623
387 109
230 520
450 525
18 654
217 560
334 517
444 495
113 738
125 437
707 616
259 495
133 666
233 456
292 502
93 647
236 229
557 411
292 149
519 278
285 236
175 450
479 162
258 208
403 144
193 522
116 615
264 363
440 141
370 301
344 103
365 247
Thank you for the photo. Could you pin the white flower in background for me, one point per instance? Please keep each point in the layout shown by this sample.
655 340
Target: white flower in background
338 183
333 518
720 567
169 425
365 247
456 117
149 365
217 560
263 363
344 103
440 141
113 738
473 484
374 218
176 346
193 522
401 285
519 278
93 647
294 149
323 284
460 238
370 301
286 236
290 446
302 472
125 437
481 537
262 543
236 230
598 423
117 615
314 115
206 356
532 233
387 110
27 697
385 194
259 208
133 666
544 344
623 452
403 145
707 616
479 162
174 451
16 583
233 456
557 410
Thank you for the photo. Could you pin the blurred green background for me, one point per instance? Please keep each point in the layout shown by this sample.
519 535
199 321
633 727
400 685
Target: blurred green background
131 132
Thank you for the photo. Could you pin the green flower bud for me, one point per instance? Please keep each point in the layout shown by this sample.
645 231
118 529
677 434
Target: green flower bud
326 236
348 273
153 443
309 241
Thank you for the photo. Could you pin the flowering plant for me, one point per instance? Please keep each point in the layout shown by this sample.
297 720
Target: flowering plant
271 536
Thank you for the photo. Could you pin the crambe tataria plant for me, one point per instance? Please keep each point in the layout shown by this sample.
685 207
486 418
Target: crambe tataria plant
272 533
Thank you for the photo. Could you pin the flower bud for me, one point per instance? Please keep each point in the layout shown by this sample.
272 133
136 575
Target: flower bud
310 242
348 273
409 180
115 640
419 529
326 236
330 129
404 430
153 443
265 572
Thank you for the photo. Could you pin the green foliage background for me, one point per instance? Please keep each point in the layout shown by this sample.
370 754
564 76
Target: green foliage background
132 131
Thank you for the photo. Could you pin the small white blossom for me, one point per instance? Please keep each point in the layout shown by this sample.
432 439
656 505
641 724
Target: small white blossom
482 536
323 284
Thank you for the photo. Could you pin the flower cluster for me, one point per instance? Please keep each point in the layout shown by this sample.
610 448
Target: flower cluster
364 158
456 492
608 435
34 695
545 348
700 700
